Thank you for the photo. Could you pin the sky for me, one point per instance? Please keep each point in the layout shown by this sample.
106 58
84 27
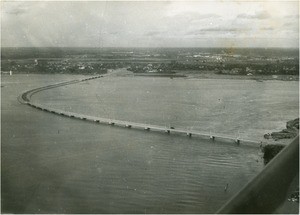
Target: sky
210 23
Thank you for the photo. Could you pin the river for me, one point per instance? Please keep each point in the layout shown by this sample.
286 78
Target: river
53 164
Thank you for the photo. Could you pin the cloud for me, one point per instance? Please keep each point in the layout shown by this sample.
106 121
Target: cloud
267 28
113 23
193 16
113 32
292 16
217 30
156 33
16 11
153 33
206 16
257 15
291 26
16 8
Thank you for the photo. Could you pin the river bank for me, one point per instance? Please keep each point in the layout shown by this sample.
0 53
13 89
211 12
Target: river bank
284 136
182 74
190 74
259 78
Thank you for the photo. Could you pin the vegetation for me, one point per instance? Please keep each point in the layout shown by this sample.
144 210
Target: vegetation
270 151
98 60
291 131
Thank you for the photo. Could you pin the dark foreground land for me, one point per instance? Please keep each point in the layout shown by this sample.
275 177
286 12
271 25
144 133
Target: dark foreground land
251 63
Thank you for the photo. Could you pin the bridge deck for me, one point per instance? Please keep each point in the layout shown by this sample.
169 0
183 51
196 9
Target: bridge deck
25 98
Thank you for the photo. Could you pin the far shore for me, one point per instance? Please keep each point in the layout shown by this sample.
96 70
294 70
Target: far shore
258 78
211 75
185 74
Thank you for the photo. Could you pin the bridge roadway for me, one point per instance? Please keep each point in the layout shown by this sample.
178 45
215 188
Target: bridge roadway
26 96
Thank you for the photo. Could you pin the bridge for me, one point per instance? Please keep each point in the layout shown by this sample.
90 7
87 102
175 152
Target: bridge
25 98
263 194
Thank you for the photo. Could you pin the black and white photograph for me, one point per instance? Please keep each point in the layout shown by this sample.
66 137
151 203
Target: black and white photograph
150 107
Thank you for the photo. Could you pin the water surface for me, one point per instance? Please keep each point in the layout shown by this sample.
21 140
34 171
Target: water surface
239 108
53 164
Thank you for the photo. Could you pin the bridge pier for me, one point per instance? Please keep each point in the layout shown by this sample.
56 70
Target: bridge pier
25 99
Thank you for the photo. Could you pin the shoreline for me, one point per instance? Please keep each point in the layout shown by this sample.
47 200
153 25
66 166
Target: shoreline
258 78
185 75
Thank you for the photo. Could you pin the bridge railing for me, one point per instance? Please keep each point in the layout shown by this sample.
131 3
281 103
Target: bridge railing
269 189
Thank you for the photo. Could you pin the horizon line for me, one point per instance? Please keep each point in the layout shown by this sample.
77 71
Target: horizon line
148 47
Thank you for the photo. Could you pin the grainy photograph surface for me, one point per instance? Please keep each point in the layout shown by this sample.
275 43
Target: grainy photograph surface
149 107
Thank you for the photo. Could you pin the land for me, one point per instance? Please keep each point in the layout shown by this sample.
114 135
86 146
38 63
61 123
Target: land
272 149
291 131
61 162
256 64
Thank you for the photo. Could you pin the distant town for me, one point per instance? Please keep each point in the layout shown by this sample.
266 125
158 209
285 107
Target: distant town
245 62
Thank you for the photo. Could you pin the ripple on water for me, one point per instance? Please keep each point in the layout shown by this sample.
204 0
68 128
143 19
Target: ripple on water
138 171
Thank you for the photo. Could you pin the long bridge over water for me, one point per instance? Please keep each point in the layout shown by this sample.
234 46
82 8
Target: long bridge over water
258 196
25 98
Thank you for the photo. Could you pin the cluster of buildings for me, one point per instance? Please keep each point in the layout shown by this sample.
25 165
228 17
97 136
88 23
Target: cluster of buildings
144 62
